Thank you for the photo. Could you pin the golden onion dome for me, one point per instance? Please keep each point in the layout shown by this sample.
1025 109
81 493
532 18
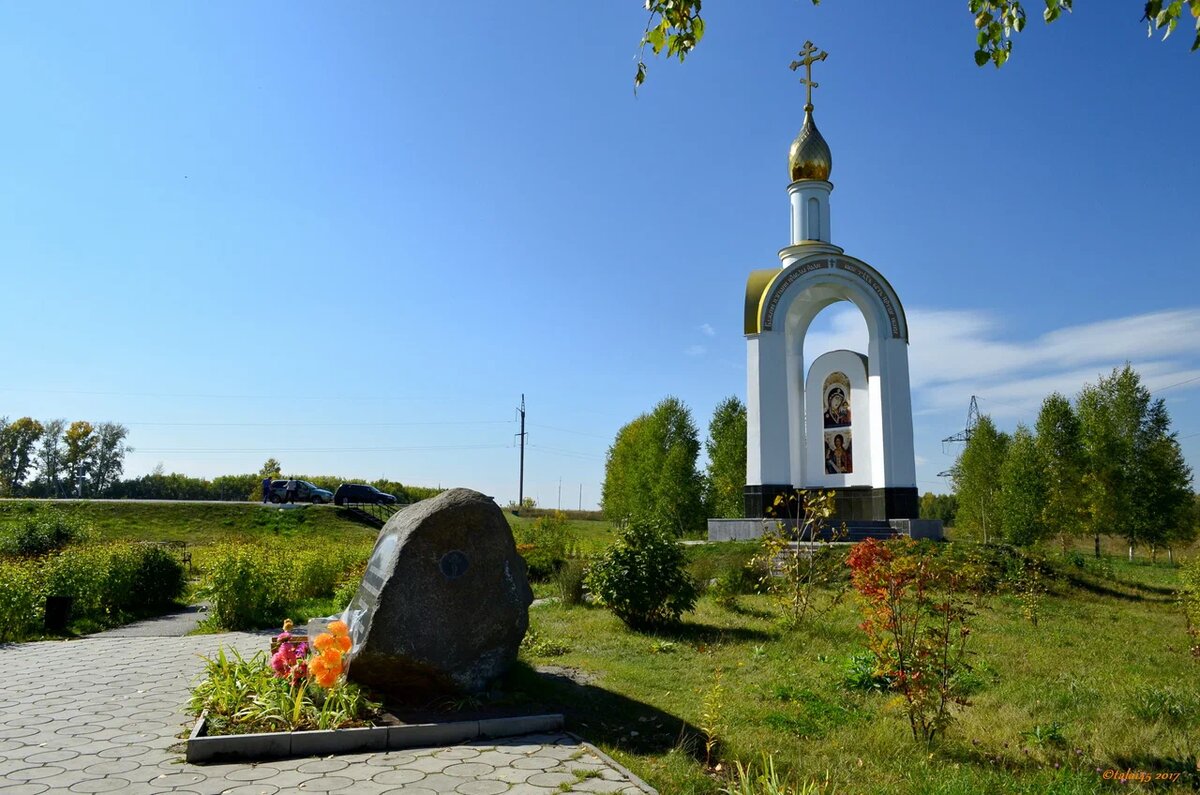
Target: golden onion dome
809 156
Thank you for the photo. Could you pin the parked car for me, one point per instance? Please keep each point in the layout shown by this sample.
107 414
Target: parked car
305 492
361 492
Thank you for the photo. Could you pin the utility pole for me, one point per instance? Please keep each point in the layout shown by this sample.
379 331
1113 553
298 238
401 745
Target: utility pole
581 496
522 434
560 492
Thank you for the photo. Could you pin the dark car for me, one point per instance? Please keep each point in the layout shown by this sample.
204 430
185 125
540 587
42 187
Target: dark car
360 492
305 492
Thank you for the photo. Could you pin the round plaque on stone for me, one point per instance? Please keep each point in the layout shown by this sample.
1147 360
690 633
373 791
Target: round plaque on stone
453 564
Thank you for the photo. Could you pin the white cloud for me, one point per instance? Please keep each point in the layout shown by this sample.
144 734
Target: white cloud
949 346
696 350
958 353
708 330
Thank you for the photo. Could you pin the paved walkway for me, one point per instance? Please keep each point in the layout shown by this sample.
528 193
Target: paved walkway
172 625
104 714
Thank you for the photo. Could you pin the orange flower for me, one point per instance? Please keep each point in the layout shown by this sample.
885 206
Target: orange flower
323 641
339 628
326 667
325 678
342 643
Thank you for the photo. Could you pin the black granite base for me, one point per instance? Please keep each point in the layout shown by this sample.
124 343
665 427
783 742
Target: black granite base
852 503
758 499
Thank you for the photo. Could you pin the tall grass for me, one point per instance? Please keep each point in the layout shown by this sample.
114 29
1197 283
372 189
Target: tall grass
253 585
107 583
22 598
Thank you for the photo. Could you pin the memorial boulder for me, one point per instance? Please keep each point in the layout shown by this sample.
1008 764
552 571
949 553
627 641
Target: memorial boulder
444 603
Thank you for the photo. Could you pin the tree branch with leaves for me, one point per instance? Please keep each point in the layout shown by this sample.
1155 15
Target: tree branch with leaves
676 26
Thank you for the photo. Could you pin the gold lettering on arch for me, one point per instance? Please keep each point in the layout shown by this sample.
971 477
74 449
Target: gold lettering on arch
847 266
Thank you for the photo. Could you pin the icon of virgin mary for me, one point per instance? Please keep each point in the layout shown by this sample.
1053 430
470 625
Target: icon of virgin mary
837 408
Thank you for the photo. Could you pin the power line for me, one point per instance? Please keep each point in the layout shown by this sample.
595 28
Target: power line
568 430
213 397
313 424
1181 383
1003 403
317 449
567 453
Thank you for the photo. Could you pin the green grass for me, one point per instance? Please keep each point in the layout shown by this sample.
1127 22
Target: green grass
592 536
1103 681
199 523
202 523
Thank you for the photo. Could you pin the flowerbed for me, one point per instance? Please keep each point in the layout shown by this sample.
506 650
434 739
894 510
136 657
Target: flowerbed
299 687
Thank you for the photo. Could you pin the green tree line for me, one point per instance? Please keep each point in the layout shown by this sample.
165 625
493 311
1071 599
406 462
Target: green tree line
57 459
54 459
159 485
1107 465
651 471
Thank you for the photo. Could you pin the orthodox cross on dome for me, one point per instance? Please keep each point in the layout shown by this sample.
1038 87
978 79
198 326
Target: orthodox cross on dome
808 57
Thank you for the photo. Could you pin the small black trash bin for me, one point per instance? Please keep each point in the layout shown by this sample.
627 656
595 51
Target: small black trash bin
58 611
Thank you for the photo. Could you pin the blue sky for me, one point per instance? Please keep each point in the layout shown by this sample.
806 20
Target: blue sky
352 235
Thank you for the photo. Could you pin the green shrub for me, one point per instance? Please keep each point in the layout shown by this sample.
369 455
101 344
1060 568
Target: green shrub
22 599
861 672
78 572
540 646
254 586
314 574
108 582
726 587
735 580
41 533
641 578
160 578
570 580
249 587
545 544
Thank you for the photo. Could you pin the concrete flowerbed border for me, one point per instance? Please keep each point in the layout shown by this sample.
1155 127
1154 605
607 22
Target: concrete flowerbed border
280 745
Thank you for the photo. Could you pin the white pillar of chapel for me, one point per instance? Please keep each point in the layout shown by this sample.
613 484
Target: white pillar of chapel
767 455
